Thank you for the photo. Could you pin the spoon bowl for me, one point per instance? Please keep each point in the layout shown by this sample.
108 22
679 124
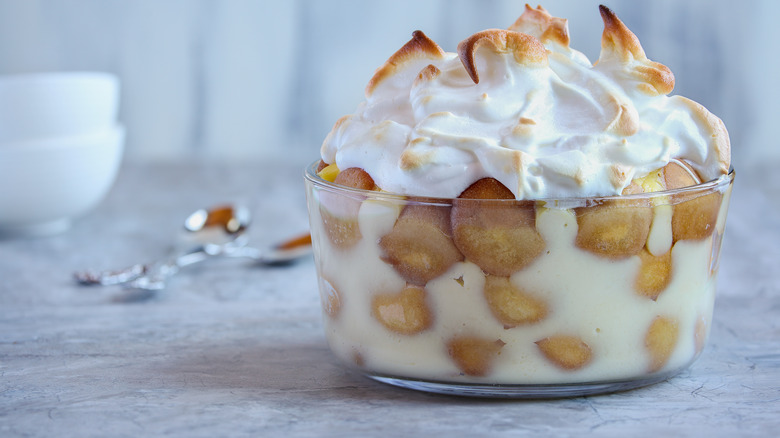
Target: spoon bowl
217 227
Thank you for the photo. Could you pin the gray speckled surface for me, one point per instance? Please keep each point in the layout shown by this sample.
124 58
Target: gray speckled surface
238 350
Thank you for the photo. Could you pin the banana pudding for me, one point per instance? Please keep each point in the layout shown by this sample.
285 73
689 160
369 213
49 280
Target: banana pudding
513 220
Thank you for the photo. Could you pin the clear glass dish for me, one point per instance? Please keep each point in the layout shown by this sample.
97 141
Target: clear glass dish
524 299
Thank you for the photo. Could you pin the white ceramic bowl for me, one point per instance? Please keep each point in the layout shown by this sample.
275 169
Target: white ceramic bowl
45 105
44 184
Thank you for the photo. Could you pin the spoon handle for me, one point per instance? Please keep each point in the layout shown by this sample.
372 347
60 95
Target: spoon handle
143 276
153 276
157 274
108 278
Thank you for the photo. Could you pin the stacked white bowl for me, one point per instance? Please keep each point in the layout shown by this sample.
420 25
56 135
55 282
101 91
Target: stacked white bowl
60 148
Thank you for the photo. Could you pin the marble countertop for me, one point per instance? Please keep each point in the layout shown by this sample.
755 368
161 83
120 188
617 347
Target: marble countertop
235 349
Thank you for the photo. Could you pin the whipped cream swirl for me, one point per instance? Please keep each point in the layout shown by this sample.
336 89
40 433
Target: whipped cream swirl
522 107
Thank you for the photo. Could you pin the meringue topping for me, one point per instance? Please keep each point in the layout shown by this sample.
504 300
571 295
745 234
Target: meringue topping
521 106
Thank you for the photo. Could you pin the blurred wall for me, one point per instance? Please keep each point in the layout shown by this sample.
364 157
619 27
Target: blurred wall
265 80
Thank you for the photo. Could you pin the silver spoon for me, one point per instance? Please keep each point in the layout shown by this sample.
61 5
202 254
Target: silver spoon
209 233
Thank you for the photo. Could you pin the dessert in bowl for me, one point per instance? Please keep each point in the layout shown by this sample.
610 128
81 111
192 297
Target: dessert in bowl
512 220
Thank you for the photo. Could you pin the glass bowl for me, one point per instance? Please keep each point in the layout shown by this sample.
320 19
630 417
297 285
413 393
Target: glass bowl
525 299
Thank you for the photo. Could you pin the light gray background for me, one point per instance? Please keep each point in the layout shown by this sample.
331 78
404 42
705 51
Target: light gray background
264 80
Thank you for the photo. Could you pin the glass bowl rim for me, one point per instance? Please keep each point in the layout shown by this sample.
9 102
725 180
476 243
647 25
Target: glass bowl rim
310 175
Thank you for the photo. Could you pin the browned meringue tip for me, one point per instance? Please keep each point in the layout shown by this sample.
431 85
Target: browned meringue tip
618 39
419 47
527 50
429 73
719 136
542 25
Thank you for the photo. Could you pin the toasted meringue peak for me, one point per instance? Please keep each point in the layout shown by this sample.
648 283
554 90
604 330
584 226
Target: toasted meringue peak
525 109
619 42
540 24
416 155
526 49
429 73
619 176
626 121
719 143
419 47
618 39
657 76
